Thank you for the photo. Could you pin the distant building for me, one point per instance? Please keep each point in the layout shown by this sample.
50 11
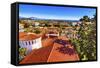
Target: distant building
52 34
29 41
21 27
37 24
76 23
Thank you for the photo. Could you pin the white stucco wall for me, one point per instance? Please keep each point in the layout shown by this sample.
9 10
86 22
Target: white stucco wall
34 44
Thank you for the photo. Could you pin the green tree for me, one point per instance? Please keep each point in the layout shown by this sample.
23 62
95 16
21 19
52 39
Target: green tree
85 18
85 44
37 31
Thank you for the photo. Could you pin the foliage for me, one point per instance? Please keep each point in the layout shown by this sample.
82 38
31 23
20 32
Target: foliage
62 42
37 31
28 30
22 53
66 50
85 18
85 44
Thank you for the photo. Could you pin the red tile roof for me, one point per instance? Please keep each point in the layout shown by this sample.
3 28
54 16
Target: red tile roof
25 36
56 56
48 54
38 56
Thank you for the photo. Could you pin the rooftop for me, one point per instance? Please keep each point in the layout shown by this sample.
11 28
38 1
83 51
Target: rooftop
49 53
27 36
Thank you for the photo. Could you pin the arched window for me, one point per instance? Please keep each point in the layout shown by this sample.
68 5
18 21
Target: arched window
32 42
26 43
29 43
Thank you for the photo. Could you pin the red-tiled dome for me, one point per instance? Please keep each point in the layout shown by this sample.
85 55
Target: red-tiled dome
27 36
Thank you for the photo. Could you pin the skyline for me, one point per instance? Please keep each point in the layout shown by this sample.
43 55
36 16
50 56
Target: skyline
54 12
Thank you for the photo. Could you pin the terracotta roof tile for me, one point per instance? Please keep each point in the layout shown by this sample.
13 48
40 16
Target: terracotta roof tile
48 54
25 36
38 56
56 56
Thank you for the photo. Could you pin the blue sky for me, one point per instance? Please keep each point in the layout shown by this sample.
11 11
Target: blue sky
54 12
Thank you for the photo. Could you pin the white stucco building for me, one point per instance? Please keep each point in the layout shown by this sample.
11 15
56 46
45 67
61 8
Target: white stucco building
29 41
21 27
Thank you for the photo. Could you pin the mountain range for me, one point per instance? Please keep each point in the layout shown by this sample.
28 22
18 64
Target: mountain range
35 18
